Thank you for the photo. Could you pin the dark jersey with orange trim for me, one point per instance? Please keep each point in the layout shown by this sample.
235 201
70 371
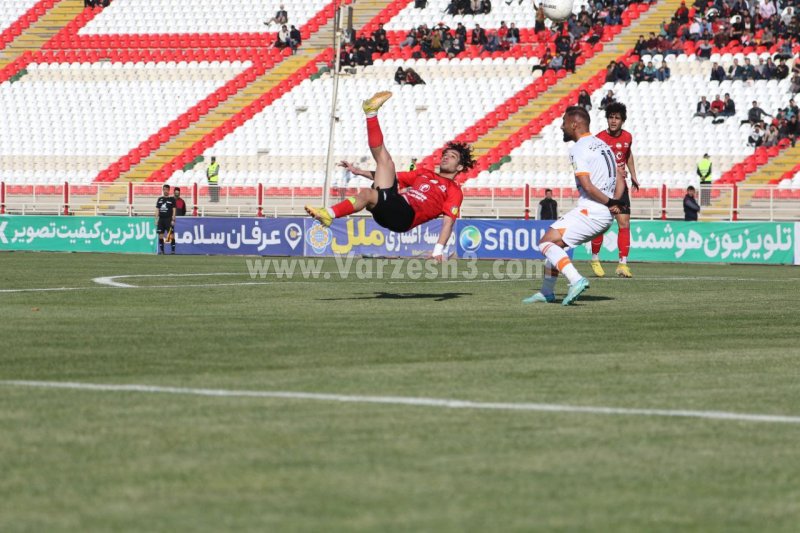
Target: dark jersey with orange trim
430 195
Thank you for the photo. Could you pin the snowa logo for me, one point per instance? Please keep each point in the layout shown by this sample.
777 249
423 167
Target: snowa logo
470 239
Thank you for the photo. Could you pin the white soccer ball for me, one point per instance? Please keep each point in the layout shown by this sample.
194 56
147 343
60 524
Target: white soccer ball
557 10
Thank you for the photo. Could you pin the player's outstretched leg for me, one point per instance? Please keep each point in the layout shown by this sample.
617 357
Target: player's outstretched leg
352 204
597 268
624 245
551 247
384 171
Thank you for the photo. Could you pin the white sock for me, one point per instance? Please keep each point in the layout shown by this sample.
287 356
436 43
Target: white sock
595 257
623 260
549 282
330 212
370 115
557 256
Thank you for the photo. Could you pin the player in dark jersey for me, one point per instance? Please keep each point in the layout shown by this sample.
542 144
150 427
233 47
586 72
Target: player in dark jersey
165 217
401 201
620 142
180 210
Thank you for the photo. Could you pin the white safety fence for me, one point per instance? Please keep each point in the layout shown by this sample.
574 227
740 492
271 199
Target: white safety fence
718 202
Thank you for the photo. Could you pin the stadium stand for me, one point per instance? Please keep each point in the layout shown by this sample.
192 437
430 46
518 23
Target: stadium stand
93 93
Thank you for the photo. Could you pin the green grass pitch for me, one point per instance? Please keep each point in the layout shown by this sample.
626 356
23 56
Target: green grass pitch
676 337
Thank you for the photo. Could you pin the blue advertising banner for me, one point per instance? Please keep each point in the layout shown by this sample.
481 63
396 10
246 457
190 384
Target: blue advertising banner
239 236
362 236
501 239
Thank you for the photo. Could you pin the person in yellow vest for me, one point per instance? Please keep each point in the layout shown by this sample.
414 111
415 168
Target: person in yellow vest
704 172
212 174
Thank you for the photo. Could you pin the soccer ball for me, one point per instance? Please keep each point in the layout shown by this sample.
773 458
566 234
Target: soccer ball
557 10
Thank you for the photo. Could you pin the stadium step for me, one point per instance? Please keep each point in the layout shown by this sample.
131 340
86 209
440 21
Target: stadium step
552 96
42 30
363 13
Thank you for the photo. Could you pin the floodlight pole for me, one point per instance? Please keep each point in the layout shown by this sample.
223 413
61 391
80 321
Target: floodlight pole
337 46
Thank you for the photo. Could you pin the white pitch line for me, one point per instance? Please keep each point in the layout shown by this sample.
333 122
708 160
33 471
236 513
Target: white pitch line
410 401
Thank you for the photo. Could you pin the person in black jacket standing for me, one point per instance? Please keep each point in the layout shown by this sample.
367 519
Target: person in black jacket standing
690 207
548 208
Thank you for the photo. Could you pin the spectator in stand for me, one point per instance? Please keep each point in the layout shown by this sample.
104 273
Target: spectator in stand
749 70
791 110
557 63
478 36
400 76
736 71
649 73
717 72
571 59
538 26
548 207
544 61
281 17
412 78
730 106
781 70
410 40
703 108
704 52
295 38
690 207
790 129
492 42
584 100
755 115
771 137
637 71
457 46
611 72
282 38
512 37
717 107
756 137
607 99
622 72
640 47
682 14
663 72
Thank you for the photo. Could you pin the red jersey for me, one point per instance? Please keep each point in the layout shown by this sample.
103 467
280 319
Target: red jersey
430 195
620 145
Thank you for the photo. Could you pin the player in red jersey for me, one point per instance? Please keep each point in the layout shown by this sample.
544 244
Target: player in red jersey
620 141
404 200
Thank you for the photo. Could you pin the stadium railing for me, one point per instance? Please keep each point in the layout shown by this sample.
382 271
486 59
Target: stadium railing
725 201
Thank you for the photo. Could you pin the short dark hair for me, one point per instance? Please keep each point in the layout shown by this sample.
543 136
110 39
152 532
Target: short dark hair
579 112
165 185
464 154
548 190
617 107
690 188
177 189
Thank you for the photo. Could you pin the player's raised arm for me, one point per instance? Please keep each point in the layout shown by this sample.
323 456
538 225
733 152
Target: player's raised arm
350 167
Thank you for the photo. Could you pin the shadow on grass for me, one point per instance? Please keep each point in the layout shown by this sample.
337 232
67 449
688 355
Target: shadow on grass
436 297
588 298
